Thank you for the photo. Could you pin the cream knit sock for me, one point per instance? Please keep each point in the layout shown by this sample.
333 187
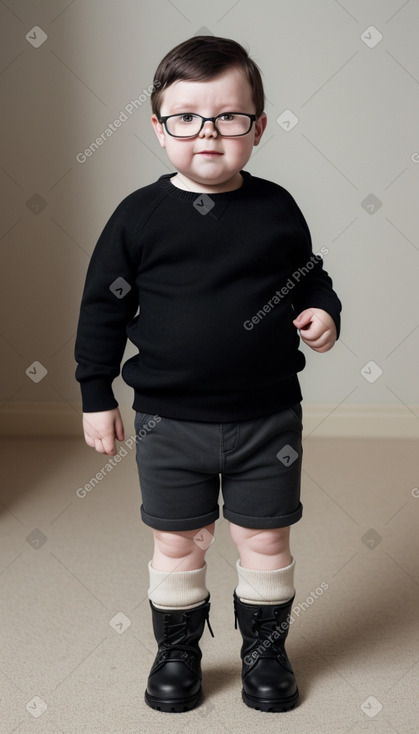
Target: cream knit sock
265 587
178 589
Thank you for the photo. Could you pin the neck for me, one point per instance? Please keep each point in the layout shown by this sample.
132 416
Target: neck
236 182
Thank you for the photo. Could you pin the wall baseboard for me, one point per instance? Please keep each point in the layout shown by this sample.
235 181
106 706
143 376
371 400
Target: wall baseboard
59 420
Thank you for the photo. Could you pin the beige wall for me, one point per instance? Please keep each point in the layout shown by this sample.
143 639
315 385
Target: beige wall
357 134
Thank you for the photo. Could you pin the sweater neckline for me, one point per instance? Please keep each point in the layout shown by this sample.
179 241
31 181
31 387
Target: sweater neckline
173 190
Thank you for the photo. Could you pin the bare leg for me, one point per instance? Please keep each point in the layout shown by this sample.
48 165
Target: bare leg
262 550
177 550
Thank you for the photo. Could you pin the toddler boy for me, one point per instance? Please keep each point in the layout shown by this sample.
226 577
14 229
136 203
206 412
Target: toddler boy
210 273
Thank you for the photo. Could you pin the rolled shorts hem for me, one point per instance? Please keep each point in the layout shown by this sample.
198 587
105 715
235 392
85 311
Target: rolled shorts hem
277 521
187 523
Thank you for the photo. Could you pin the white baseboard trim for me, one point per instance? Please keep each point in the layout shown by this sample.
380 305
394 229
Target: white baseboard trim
59 420
360 421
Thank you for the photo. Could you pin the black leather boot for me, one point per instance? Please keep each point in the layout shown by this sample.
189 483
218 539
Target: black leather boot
174 683
268 679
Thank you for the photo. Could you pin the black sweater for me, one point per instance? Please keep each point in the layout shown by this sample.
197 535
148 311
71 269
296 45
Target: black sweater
218 280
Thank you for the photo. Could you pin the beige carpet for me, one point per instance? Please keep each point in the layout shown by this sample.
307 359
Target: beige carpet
75 635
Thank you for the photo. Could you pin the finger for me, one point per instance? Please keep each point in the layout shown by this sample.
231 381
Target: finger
311 333
313 338
322 344
109 447
99 446
303 319
119 429
318 339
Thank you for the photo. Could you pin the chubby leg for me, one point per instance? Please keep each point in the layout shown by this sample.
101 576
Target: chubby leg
178 551
264 549
265 567
178 569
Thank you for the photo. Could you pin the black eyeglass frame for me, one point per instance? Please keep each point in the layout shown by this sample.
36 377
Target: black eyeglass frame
163 120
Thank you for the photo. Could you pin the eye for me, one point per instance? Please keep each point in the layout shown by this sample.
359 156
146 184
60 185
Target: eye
187 117
226 117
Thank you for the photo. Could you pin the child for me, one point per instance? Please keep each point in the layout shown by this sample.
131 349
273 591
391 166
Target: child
221 267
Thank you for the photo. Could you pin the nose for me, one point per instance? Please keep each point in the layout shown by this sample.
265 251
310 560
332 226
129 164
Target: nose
208 131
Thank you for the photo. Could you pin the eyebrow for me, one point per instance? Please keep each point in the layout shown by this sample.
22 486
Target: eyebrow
191 111
182 108
189 108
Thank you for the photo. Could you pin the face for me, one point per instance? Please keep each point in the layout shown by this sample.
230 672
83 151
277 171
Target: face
209 163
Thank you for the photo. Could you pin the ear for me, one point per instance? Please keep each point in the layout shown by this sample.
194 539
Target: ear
260 126
159 130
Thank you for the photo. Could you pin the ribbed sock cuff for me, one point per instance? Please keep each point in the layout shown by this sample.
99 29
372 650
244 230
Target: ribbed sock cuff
178 589
265 587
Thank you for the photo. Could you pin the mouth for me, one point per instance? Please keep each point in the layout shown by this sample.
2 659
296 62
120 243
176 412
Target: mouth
209 152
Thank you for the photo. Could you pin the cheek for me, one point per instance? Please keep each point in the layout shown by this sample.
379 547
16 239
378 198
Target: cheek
243 149
179 152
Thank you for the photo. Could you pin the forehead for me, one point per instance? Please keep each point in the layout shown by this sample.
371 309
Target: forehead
231 89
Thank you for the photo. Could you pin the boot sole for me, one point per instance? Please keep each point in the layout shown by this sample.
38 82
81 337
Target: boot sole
172 706
270 706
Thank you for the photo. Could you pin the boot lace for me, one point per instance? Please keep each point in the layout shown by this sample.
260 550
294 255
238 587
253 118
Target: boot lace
176 633
269 636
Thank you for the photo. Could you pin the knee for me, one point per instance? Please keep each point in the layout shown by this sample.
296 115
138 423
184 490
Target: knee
172 544
180 544
270 541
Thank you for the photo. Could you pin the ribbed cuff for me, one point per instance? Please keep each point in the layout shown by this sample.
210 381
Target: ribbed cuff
97 395
178 589
265 587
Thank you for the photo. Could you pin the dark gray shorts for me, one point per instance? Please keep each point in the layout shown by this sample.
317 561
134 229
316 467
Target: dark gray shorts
257 463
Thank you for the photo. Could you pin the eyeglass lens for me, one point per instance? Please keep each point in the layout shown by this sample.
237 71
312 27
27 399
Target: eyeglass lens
188 124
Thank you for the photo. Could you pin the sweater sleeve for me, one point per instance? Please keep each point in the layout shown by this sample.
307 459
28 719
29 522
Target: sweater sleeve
109 302
314 287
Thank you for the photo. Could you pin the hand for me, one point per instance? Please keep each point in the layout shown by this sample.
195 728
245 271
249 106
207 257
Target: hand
317 329
101 429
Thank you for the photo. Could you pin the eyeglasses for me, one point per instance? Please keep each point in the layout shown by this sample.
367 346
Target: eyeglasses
188 124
